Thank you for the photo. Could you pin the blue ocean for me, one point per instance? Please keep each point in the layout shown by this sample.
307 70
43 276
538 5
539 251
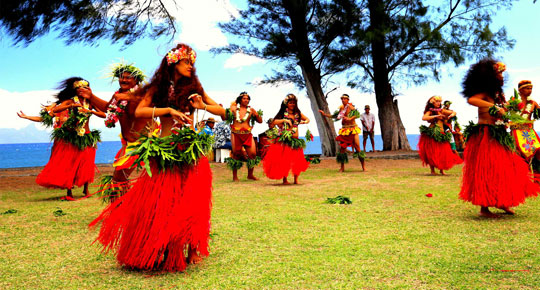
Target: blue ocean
37 154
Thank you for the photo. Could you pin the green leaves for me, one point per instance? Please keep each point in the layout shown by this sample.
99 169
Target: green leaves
436 133
59 212
183 147
338 200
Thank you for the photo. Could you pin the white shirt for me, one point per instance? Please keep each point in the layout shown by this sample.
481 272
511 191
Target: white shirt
369 120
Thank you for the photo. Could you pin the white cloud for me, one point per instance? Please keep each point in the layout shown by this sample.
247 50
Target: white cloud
30 103
239 60
198 21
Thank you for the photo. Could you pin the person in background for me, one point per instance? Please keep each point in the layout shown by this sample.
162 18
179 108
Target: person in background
368 125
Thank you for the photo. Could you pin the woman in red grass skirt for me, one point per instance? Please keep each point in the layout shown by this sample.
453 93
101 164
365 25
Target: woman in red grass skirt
493 175
286 154
163 221
74 149
434 145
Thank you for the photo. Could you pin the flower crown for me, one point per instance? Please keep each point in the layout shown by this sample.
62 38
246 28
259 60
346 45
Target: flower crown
499 67
118 69
183 52
80 84
288 98
433 99
524 84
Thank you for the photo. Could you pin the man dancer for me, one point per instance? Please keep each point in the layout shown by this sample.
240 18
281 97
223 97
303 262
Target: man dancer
241 137
527 140
348 134
121 109
368 125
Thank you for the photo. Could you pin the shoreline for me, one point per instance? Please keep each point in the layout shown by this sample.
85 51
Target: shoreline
398 154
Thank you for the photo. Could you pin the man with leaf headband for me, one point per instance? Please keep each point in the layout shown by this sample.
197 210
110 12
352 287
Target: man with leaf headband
527 140
348 134
121 109
242 118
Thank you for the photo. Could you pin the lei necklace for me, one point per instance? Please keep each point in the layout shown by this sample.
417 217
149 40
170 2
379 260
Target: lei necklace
246 116
295 118
116 109
528 108
84 116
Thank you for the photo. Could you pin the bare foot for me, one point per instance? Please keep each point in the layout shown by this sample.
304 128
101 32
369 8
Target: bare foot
285 181
442 173
252 177
484 212
507 210
434 173
341 170
235 179
193 257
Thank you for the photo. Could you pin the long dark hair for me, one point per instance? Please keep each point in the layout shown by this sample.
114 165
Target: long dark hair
66 89
482 78
161 82
283 108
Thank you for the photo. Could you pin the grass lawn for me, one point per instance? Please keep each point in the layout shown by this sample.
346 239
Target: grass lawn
268 236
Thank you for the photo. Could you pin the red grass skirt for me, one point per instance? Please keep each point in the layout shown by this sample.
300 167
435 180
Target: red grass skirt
437 154
159 218
68 166
493 175
280 159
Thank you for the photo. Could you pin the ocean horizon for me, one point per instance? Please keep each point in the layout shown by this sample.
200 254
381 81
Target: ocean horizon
37 154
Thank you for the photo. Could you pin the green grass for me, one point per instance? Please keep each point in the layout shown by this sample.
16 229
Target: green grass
267 236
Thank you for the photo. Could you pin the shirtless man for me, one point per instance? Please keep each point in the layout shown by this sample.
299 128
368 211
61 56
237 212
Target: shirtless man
121 108
348 134
241 137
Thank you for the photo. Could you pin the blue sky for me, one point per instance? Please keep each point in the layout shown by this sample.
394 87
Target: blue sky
29 74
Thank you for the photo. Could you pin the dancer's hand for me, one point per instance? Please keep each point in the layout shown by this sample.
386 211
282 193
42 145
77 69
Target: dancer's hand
22 115
85 92
196 101
180 117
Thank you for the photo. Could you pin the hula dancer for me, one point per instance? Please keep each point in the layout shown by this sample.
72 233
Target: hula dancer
434 145
243 117
493 175
121 109
348 135
287 152
163 221
74 150
527 140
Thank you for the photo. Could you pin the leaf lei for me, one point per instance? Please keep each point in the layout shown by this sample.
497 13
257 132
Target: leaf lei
254 119
498 132
115 110
246 116
71 129
46 119
229 116
183 147
435 133
354 113
286 138
309 136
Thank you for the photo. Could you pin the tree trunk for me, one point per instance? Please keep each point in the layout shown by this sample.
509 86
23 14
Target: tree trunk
297 11
327 133
392 129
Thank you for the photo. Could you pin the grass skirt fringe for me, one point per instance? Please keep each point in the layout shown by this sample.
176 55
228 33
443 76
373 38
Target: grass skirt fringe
437 154
159 218
494 176
281 159
68 166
